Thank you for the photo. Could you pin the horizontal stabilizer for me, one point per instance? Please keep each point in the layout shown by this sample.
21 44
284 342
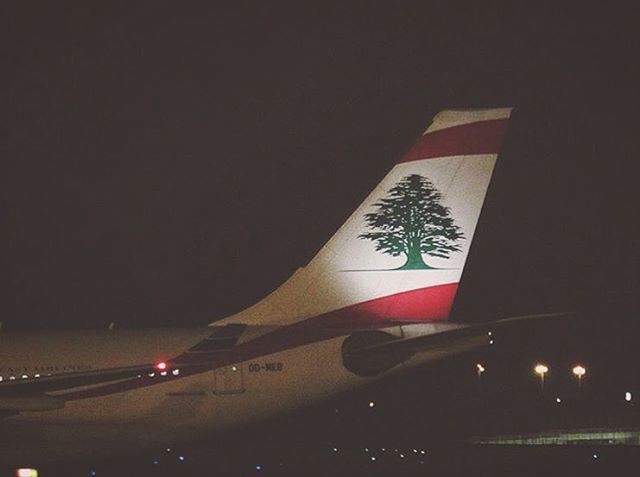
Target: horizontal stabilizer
371 353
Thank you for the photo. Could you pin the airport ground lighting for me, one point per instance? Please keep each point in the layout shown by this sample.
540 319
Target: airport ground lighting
579 371
541 370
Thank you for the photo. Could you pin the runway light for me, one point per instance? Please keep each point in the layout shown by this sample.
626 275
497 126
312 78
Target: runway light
373 458
558 400
335 449
25 472
181 458
372 404
595 456
258 467
628 396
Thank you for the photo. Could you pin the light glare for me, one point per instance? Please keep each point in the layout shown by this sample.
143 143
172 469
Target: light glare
160 365
579 370
25 472
541 369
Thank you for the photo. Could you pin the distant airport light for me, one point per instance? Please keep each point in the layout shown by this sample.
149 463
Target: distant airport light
628 396
181 458
541 370
579 371
161 365
558 400
258 467
372 404
479 371
24 472
175 372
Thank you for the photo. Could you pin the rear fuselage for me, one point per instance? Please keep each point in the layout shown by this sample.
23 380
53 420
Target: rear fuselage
169 407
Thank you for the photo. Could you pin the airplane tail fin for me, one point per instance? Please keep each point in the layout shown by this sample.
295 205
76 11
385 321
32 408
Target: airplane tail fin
400 256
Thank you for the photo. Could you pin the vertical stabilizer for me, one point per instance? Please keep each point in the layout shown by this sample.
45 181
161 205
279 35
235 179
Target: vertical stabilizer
400 255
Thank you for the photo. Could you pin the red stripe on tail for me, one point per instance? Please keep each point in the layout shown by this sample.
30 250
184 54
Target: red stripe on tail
481 137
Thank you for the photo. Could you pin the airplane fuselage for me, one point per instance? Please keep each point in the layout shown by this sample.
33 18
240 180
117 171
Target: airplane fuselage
162 408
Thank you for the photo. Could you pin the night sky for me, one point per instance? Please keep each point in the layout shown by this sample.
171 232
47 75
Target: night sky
166 163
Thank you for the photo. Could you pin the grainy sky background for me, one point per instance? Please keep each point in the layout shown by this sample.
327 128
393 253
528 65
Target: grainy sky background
169 163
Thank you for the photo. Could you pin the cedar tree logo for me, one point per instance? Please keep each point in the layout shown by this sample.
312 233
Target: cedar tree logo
412 221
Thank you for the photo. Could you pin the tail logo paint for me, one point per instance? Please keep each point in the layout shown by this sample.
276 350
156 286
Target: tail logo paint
412 221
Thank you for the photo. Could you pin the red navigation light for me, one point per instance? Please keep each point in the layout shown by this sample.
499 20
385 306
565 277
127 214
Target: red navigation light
161 366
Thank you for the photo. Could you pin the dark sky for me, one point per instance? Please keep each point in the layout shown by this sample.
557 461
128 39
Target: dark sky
169 163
